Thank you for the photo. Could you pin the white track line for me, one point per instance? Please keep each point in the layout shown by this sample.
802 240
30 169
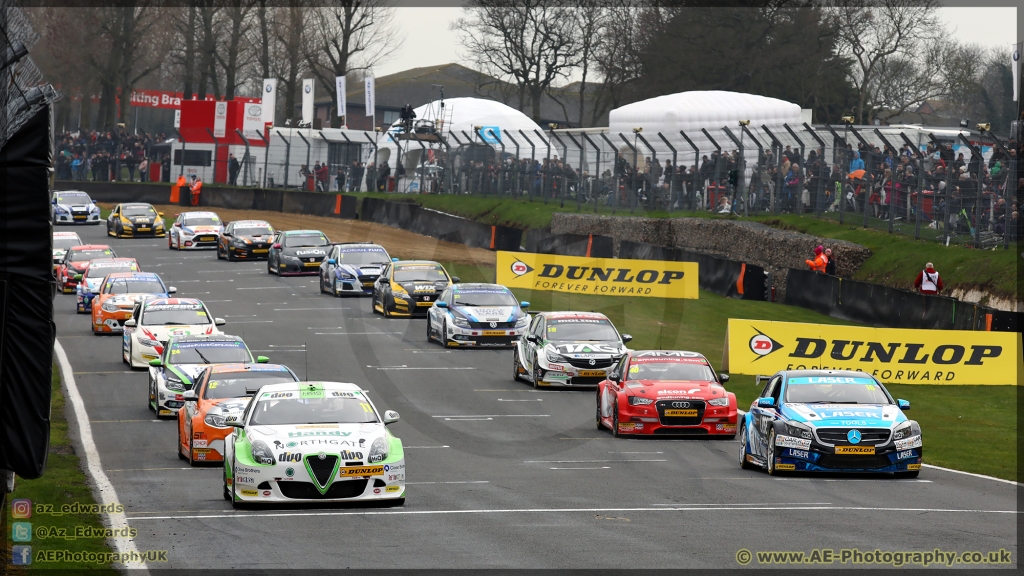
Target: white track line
711 508
971 474
107 494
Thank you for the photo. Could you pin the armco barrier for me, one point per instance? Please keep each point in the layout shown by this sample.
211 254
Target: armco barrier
107 192
592 245
307 203
725 277
419 220
882 306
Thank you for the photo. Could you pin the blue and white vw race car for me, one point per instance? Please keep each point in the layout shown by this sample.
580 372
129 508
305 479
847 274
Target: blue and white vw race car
477 315
829 421
352 267
313 441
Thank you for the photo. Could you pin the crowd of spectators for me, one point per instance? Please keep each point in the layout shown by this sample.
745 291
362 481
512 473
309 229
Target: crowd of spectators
107 156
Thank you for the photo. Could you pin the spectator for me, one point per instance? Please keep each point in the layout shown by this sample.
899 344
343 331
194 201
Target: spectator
143 169
819 262
339 179
323 177
830 267
928 281
856 163
233 168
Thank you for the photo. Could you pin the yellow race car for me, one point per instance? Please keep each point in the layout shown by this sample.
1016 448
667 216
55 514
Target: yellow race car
409 287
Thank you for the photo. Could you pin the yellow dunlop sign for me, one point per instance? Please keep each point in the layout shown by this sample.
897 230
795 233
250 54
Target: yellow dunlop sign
601 276
893 355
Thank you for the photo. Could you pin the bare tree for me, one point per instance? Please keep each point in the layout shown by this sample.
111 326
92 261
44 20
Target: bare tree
348 36
871 32
530 43
289 31
237 25
591 21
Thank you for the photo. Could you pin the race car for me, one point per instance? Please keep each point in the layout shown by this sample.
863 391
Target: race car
74 207
90 282
352 268
117 297
245 239
314 442
666 392
567 349
477 315
296 252
194 230
62 241
183 359
222 390
155 320
829 421
135 219
75 261
409 287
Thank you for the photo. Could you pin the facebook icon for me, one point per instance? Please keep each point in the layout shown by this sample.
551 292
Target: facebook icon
21 555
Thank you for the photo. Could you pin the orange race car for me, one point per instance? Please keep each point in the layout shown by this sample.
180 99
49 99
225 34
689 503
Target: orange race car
222 390
117 297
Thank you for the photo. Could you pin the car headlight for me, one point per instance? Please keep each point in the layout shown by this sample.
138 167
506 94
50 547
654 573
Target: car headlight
187 232
906 430
397 289
94 210
287 257
798 431
555 357
148 342
460 321
378 450
719 401
174 383
640 401
523 322
241 242
216 417
345 276
61 210
108 307
261 453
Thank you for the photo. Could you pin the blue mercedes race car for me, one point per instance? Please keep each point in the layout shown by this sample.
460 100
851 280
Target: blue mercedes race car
829 421
485 315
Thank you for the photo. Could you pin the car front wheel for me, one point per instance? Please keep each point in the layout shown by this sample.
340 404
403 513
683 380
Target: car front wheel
743 448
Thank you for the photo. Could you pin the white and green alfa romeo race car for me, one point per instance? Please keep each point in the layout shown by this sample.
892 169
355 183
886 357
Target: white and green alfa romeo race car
313 441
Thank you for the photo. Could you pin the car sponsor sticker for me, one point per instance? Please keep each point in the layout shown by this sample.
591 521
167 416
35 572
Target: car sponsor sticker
785 466
689 413
859 450
626 426
250 492
349 471
905 454
794 453
791 442
912 442
392 488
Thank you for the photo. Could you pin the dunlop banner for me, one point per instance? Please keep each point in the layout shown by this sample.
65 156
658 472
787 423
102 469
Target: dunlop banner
893 355
601 276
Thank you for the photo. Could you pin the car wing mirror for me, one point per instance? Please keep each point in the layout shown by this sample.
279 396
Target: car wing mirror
766 402
189 396
390 417
276 246
524 304
531 338
219 321
723 378
172 290
156 362
332 261
130 322
234 422
262 359
441 304
626 338
903 404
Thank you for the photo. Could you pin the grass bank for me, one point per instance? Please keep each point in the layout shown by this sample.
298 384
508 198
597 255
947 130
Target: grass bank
970 428
63 483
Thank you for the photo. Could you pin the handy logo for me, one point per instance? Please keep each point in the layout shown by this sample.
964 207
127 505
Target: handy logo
519 268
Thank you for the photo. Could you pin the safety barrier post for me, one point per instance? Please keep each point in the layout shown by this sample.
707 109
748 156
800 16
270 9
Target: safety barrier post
976 153
843 167
823 170
565 159
1009 184
308 169
516 185
760 154
583 160
373 142
245 165
947 191
675 169
633 191
546 169
216 148
597 168
696 171
266 155
650 171
777 145
181 162
797 209
615 170
533 160
740 168
287 157
718 161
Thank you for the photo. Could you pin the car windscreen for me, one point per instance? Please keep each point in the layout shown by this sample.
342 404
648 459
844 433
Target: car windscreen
73 199
95 272
133 286
581 330
255 231
65 242
86 255
484 298
235 384
138 210
669 371
218 352
424 273
363 256
835 390
175 314
300 240
297 410
202 221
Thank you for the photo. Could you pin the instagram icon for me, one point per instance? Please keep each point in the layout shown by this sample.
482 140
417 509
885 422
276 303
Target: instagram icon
21 508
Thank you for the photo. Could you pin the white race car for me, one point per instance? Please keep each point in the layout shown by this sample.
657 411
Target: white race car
313 441
155 320
74 207
61 242
192 230
477 315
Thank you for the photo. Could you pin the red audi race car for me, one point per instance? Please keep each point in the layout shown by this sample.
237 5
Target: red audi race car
666 392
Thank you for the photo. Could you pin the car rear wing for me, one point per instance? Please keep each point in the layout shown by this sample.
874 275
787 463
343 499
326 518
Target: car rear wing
759 379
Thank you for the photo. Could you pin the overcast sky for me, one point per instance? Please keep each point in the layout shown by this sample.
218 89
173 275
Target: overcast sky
429 41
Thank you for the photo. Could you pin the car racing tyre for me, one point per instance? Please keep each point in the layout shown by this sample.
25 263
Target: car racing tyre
384 307
770 458
516 376
430 335
443 339
279 273
228 256
169 247
743 448
536 372
269 271
219 257
600 426
320 283
911 474
615 419
180 455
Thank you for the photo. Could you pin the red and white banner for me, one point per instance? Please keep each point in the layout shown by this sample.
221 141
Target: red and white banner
156 99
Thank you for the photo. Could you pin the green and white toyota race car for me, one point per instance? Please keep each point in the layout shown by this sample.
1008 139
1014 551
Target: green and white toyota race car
313 441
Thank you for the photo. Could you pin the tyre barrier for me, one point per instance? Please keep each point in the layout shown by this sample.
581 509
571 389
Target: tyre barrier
587 245
719 275
882 306
420 220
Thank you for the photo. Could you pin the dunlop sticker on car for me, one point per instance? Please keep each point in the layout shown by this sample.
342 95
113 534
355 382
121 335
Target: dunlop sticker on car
892 355
605 276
